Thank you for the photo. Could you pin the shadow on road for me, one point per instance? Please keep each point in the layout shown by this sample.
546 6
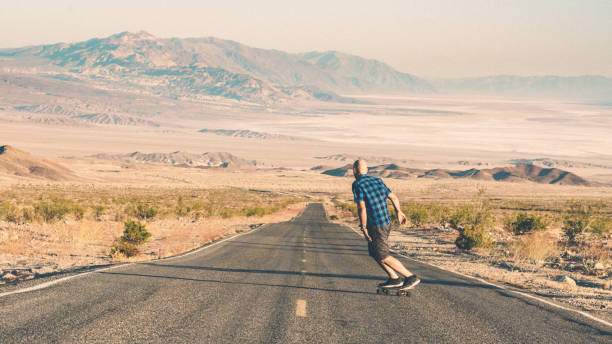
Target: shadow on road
273 272
239 283
323 275
457 284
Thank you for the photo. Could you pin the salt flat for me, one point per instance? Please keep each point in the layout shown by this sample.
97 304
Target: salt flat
430 131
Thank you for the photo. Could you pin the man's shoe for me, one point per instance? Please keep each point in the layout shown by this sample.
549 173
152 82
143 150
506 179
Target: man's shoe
385 282
392 283
410 282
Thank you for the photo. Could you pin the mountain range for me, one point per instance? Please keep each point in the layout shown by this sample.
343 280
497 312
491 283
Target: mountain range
519 173
592 86
213 67
210 66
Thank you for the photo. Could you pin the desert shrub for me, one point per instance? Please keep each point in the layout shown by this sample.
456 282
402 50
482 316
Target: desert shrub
416 213
590 257
134 234
3 209
181 208
601 226
347 206
535 248
9 212
227 213
124 248
333 217
461 217
472 222
77 211
27 215
472 236
50 212
57 208
524 223
438 214
197 206
257 211
144 211
98 211
579 217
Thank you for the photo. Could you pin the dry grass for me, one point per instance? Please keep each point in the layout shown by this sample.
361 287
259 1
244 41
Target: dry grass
184 218
537 248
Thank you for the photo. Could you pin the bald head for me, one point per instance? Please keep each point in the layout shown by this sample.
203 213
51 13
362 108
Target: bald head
360 167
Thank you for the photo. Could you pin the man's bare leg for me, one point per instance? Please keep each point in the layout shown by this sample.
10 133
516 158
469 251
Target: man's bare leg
392 274
394 265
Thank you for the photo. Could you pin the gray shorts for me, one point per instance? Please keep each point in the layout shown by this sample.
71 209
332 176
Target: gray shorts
378 248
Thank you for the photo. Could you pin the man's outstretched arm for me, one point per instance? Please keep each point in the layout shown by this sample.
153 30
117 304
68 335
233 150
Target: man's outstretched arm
363 219
401 218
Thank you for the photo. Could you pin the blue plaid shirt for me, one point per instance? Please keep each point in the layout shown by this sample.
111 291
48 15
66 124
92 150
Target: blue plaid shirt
374 193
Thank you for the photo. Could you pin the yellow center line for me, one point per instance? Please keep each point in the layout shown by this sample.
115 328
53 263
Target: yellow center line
300 308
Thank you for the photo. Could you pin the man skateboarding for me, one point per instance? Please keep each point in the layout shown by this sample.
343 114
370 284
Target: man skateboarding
370 194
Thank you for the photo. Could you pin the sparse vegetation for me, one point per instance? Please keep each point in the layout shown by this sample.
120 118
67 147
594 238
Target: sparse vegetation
144 211
472 223
134 234
535 248
595 259
417 214
579 219
349 207
78 217
602 226
524 223
98 211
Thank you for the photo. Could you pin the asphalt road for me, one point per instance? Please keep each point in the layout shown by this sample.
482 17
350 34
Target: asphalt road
303 281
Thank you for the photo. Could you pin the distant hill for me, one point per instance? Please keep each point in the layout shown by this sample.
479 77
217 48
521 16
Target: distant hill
249 134
550 85
548 162
370 159
519 173
23 164
210 66
209 159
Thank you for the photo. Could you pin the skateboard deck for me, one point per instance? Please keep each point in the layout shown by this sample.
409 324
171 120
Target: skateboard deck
397 291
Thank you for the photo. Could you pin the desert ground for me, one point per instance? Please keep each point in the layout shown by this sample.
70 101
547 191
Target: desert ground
285 143
425 131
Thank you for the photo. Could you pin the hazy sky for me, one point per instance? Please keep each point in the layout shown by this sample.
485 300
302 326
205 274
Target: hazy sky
427 38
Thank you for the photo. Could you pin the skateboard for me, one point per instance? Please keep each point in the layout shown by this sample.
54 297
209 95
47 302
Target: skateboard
397 291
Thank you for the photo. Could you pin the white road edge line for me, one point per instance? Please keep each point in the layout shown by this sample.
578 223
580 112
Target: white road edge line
59 280
587 315
300 308
63 279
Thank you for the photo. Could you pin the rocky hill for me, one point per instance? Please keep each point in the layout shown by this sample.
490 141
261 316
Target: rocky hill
16 162
184 159
519 173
